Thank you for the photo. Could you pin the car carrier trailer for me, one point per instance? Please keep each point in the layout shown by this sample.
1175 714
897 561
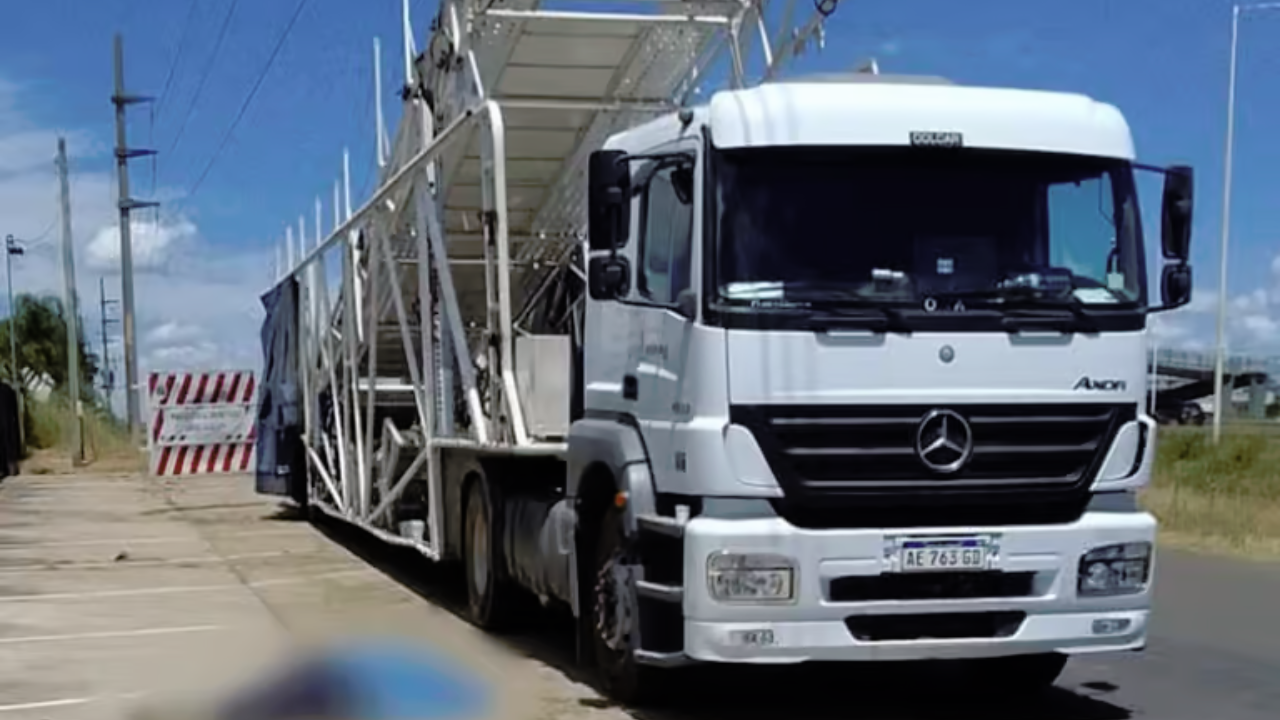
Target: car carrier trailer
843 367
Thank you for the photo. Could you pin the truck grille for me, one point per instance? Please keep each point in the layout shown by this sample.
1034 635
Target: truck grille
861 449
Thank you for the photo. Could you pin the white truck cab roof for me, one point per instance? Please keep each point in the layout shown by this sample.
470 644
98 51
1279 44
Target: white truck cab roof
866 109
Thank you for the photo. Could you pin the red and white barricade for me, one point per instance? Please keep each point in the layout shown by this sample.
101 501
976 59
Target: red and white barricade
202 422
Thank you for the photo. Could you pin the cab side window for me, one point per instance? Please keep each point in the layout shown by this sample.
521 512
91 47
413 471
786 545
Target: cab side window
666 238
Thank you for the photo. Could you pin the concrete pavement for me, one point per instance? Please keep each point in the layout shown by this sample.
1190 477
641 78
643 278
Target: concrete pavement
114 589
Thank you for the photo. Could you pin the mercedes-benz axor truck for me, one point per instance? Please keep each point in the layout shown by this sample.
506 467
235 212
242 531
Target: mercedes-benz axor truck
865 361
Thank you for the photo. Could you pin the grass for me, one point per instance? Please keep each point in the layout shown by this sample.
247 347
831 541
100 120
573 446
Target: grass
1223 498
49 439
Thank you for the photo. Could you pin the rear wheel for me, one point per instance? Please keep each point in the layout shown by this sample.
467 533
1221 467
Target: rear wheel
490 597
614 631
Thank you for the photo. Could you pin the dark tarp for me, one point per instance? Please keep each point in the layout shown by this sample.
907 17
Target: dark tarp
281 457
10 431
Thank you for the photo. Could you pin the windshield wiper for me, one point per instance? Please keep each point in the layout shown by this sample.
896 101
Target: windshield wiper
839 308
1028 307
828 306
1072 318
862 318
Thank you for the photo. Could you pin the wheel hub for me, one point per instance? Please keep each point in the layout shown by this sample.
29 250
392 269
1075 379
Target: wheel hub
614 613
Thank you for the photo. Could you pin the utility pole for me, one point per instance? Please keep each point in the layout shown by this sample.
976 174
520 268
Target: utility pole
123 154
71 310
11 248
1220 401
108 377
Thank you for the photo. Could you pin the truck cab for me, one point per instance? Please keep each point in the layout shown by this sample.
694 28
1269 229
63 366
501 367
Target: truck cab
865 357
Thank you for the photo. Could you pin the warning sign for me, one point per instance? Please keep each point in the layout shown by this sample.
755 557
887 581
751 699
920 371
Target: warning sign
202 422
205 425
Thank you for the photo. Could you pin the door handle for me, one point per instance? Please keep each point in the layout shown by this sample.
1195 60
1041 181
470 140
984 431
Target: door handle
630 387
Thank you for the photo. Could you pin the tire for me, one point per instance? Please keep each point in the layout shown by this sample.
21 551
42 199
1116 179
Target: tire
491 599
620 677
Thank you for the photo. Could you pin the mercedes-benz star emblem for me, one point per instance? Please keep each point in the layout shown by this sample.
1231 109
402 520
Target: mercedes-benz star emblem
944 441
947 354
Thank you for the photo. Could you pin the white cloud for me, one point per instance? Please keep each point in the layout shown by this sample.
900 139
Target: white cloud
1202 301
153 244
201 354
31 149
1253 320
1263 327
174 333
1167 329
196 303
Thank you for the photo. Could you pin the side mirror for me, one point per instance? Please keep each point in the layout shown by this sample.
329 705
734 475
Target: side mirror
608 199
608 278
687 304
1175 213
1175 285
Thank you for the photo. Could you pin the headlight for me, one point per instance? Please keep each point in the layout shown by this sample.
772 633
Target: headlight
1114 570
751 578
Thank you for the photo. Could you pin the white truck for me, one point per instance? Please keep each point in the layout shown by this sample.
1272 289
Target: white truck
843 367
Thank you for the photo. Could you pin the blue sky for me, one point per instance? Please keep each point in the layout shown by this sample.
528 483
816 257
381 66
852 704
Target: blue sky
1163 62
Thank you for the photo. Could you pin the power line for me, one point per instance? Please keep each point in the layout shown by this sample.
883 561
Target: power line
217 45
40 238
284 35
177 55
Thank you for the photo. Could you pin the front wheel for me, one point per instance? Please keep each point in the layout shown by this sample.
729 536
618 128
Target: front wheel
614 635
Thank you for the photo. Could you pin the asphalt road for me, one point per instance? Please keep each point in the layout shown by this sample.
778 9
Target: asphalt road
116 589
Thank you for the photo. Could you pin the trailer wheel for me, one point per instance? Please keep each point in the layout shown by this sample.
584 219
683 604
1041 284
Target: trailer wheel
612 621
490 597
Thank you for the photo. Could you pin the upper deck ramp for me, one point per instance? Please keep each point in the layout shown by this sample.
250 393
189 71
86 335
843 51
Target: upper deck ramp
564 76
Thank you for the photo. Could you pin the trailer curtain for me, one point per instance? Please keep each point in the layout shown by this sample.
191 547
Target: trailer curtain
281 465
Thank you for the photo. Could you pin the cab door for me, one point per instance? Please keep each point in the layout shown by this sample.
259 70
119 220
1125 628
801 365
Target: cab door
664 272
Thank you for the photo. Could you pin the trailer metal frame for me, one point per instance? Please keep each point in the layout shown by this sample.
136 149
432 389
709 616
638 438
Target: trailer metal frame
480 215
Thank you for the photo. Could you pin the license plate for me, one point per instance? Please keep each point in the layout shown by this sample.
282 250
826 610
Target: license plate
937 555
754 638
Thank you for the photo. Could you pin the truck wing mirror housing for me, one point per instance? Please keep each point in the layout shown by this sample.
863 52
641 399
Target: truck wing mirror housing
1175 285
608 199
1175 213
687 304
609 277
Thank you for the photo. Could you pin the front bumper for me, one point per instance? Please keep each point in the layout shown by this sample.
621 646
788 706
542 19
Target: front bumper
1048 616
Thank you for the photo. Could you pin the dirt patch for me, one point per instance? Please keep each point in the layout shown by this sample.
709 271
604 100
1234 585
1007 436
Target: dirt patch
58 462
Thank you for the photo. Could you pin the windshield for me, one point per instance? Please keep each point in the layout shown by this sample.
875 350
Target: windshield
910 228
